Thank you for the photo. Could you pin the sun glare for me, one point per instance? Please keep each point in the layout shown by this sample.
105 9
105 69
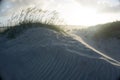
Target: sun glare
78 15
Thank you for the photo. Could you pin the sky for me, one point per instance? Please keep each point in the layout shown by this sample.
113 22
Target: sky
75 12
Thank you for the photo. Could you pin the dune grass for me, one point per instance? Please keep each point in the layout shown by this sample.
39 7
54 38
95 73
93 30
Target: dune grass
31 17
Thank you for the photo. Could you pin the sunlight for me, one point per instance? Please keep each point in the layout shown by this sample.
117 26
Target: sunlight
77 15
80 16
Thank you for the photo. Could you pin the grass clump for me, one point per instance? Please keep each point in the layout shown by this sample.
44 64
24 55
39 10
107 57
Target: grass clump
32 17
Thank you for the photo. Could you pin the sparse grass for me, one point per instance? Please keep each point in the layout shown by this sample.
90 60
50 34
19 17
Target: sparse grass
32 17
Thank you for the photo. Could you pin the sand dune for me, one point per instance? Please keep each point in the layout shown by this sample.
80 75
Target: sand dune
40 53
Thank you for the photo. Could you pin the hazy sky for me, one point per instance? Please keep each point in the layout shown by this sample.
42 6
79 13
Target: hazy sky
102 5
103 10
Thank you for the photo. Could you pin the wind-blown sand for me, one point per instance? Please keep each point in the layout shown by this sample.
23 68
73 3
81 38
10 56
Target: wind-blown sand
104 38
